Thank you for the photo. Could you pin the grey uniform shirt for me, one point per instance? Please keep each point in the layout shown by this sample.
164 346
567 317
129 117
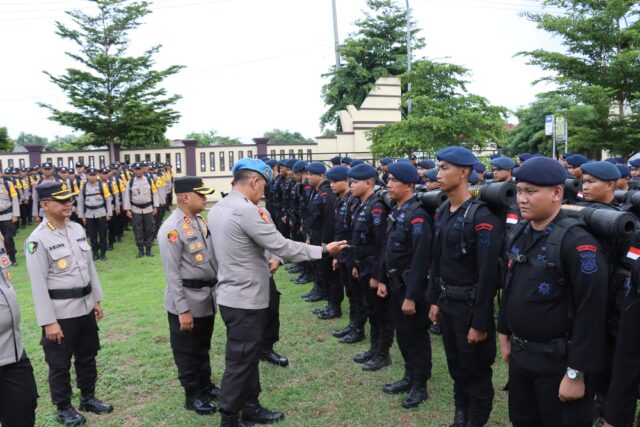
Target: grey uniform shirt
60 259
11 347
8 201
139 192
92 202
187 253
245 238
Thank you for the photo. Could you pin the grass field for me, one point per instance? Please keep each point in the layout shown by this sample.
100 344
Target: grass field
321 387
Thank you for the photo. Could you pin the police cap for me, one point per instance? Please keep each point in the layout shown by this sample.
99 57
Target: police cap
541 171
47 165
52 190
362 172
503 163
255 165
404 172
299 166
577 160
316 168
191 184
338 173
137 165
604 171
456 155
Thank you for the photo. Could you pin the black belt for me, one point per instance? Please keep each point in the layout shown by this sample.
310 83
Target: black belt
69 293
558 346
459 293
198 284
142 206
94 207
6 211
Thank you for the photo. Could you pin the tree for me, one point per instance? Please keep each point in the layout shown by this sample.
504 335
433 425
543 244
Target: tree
30 139
115 97
70 142
599 68
378 48
212 138
443 113
6 144
278 136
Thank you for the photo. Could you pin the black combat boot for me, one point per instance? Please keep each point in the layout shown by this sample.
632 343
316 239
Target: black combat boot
366 356
149 251
333 312
97 406
339 333
200 405
229 419
401 386
416 396
355 335
256 413
377 362
460 418
140 251
70 417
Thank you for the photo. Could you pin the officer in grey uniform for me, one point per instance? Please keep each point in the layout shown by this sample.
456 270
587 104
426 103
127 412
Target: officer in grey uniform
66 295
18 393
141 202
95 209
245 241
188 263
9 216
47 176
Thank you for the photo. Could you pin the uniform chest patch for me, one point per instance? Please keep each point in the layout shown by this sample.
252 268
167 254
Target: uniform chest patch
32 247
172 236
588 264
63 264
544 288
198 258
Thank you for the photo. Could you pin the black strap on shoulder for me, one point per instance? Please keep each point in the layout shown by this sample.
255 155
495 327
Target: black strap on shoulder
467 232
408 216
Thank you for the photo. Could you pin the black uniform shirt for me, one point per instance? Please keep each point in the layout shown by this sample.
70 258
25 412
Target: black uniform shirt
369 231
322 219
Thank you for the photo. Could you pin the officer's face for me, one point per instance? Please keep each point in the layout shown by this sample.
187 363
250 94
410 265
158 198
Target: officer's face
398 190
577 172
195 202
64 175
138 172
501 175
635 172
315 179
623 184
432 185
339 187
359 187
538 203
47 172
57 210
596 190
92 178
451 176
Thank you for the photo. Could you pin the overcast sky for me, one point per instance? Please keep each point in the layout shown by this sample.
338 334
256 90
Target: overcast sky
255 65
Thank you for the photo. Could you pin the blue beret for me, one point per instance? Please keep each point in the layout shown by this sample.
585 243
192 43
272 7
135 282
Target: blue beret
385 161
611 160
601 170
338 173
479 167
503 163
363 171
541 171
620 160
524 157
254 165
635 163
271 162
427 164
336 160
537 155
459 156
316 168
299 166
403 160
473 177
404 172
347 160
494 156
625 172
356 162
431 175
577 160
567 154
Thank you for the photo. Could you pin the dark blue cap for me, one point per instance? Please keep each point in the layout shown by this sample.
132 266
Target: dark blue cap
299 166
474 177
426 164
404 172
577 160
567 154
503 163
363 171
356 162
346 160
524 157
386 161
291 162
431 175
459 156
635 163
335 160
625 172
604 171
271 162
494 156
316 168
611 160
403 160
479 167
338 173
541 171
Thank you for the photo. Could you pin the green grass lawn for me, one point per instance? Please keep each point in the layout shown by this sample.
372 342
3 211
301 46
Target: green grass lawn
321 387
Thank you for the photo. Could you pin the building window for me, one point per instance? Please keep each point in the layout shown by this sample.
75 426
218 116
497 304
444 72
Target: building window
178 163
137 157
158 157
281 154
291 154
21 163
147 157
203 162
212 162
250 153
273 154
222 165
11 162
240 155
167 158
300 154
127 159
60 161
92 161
230 160
309 155
101 161
70 162
81 159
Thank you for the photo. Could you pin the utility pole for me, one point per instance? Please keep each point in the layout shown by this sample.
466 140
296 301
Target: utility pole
335 33
408 50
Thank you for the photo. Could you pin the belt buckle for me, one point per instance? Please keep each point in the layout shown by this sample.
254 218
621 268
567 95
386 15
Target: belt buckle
518 343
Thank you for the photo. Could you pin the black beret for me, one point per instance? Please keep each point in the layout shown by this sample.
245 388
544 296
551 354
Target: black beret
604 171
542 171
316 168
457 155
503 163
336 160
356 162
362 172
191 184
338 173
625 172
404 172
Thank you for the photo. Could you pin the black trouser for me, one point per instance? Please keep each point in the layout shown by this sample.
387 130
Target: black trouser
121 222
97 234
283 227
351 288
241 378
332 282
412 333
80 341
378 310
191 353
169 199
469 366
296 234
8 230
271 333
25 214
159 218
143 227
18 394
534 381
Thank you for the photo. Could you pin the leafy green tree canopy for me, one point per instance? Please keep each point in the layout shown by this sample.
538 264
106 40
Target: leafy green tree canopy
211 137
278 136
30 139
114 97
6 144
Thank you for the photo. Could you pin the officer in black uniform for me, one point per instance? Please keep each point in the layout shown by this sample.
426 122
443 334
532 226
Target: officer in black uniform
273 195
384 167
502 168
369 233
552 317
403 276
464 276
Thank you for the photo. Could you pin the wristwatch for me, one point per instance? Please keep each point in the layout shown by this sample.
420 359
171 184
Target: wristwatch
325 250
574 374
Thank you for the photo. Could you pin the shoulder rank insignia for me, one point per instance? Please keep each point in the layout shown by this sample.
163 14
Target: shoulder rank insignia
264 215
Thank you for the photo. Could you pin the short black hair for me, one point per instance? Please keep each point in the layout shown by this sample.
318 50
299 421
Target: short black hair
242 175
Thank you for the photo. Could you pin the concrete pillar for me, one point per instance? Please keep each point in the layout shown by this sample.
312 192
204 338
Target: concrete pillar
35 154
190 156
261 146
